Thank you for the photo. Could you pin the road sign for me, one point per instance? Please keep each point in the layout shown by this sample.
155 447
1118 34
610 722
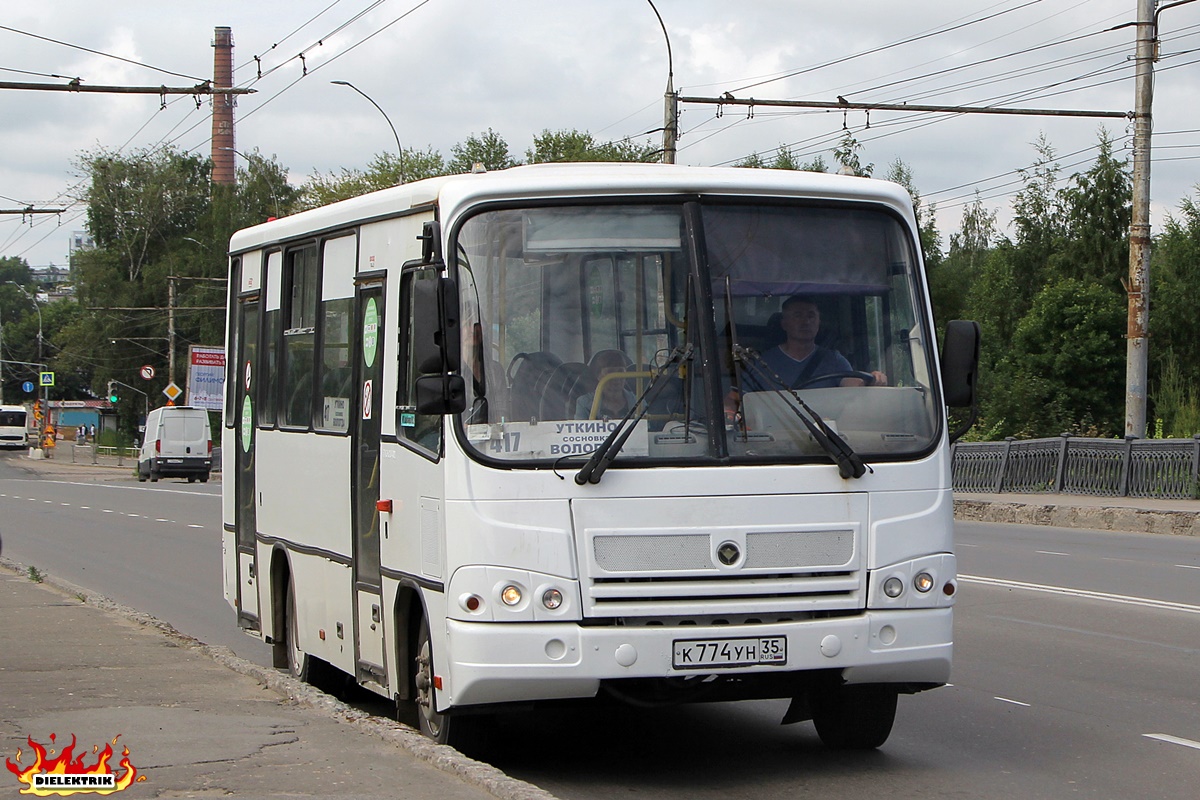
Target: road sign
27 387
172 392
47 378
148 372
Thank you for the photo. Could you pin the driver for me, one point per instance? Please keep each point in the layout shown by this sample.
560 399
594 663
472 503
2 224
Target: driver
799 359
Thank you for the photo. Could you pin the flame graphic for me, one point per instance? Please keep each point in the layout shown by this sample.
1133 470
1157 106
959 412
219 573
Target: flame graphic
67 763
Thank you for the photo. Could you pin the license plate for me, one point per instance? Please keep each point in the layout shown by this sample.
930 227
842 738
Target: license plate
744 652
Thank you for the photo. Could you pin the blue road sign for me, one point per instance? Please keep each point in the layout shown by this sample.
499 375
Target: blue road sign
27 387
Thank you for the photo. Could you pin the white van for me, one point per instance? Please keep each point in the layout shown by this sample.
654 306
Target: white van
177 444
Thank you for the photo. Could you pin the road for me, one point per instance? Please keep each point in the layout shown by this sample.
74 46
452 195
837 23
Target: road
1075 666
155 547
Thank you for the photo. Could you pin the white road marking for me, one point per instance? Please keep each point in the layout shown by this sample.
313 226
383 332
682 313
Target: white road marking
1014 702
1050 553
1145 602
195 526
1166 737
1187 566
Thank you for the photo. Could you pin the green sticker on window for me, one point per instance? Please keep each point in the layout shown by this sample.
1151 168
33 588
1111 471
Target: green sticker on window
247 424
408 420
370 332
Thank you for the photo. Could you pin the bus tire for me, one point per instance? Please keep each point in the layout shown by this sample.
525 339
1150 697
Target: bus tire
434 725
857 717
299 663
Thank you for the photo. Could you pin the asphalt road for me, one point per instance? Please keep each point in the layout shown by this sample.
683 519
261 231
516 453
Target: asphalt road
1076 660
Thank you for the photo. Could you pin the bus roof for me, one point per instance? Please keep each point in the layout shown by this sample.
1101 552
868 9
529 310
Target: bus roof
559 181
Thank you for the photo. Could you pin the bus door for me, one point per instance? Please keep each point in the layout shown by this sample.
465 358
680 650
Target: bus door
365 433
244 488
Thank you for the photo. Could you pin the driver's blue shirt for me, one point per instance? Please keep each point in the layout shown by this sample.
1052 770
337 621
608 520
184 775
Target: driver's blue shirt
789 370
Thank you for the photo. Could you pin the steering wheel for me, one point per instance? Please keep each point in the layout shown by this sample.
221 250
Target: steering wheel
867 378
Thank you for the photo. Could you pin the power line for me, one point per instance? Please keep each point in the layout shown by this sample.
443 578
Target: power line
100 53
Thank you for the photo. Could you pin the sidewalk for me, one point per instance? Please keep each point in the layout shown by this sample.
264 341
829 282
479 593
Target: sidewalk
196 720
1131 514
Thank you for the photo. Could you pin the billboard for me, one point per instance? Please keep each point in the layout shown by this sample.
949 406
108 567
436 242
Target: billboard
206 377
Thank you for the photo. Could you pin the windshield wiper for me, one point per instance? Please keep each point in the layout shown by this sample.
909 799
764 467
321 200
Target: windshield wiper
849 463
592 471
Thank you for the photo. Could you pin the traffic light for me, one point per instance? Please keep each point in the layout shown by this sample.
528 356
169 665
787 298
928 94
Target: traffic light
113 397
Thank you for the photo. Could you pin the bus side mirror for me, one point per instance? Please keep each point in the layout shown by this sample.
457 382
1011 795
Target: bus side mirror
960 363
437 345
437 348
440 394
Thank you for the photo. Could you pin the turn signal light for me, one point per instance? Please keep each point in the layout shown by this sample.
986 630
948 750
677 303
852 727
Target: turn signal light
383 506
510 595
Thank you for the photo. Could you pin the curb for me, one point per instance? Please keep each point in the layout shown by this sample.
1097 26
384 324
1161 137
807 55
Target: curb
1126 520
445 758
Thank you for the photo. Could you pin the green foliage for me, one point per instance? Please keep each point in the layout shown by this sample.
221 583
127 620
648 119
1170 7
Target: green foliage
15 269
1175 278
137 202
1176 401
846 154
1062 371
951 278
574 145
1096 211
489 149
784 158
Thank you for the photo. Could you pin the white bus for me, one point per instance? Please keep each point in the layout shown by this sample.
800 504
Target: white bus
14 426
518 437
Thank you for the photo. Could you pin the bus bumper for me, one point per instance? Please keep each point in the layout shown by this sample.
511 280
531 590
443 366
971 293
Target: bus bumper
522 662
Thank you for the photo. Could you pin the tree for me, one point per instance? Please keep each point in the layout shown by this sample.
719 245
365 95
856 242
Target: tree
1062 372
846 154
488 149
1096 210
931 238
951 278
382 171
784 158
1174 276
136 202
575 145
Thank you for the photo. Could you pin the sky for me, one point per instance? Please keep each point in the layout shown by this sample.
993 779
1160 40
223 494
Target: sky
445 70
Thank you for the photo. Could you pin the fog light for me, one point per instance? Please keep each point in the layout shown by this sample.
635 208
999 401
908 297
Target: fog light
552 598
892 587
510 595
472 602
923 582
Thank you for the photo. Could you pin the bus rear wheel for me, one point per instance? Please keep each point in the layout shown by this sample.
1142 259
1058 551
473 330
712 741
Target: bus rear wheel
857 717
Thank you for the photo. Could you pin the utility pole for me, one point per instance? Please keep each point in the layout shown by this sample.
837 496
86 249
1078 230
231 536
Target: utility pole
171 329
1138 285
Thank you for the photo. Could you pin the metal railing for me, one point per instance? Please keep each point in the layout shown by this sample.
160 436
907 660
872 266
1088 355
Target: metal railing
1130 467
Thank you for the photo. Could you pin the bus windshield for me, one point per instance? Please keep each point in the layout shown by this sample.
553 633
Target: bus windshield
787 309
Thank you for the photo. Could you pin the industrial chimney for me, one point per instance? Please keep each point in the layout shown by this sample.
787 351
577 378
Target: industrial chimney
224 172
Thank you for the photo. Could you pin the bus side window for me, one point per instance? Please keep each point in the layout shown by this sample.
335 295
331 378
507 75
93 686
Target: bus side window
423 430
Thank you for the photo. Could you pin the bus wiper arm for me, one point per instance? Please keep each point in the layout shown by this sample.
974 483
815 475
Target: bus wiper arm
849 463
592 471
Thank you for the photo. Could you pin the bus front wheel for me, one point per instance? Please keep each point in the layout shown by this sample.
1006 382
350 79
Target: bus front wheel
431 723
857 717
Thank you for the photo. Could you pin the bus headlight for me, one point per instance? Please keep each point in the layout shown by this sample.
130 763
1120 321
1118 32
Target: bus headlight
510 595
